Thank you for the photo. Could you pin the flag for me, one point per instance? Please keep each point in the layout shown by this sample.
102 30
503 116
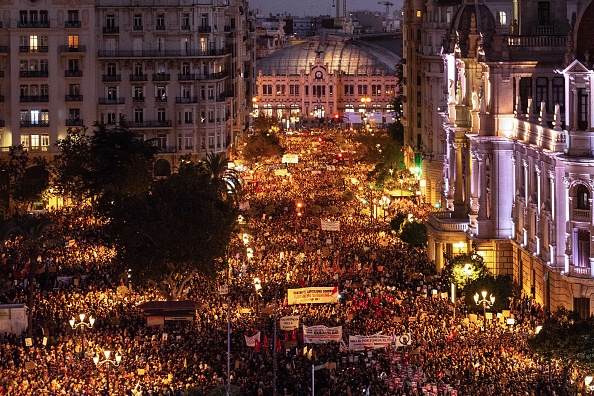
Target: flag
257 346
278 345
319 367
266 343
251 341
343 347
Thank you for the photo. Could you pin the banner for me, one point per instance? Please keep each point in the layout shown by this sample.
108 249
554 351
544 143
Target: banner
245 205
361 343
313 295
290 159
289 323
321 334
251 341
354 118
330 225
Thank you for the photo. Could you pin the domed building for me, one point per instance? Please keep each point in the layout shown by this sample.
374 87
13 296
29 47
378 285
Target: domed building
327 79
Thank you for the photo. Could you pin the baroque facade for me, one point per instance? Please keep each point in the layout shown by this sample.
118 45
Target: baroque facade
177 71
511 141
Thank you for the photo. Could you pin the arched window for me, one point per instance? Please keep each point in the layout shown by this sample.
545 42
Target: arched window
583 197
111 69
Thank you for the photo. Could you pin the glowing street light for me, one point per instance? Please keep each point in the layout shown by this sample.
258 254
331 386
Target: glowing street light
485 302
107 362
82 325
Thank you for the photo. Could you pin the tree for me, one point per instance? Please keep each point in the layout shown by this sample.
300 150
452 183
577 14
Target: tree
264 123
31 233
397 221
262 146
414 233
566 339
71 168
465 268
179 229
225 179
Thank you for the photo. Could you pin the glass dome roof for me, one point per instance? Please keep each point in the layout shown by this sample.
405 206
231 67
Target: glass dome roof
346 55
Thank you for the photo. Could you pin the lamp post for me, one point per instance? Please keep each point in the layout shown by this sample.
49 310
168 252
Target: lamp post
107 362
257 288
484 302
82 325
467 272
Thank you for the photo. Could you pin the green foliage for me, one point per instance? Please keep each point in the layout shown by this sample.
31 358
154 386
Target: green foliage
464 269
565 338
221 390
225 180
71 169
414 233
262 146
499 286
182 227
264 123
348 196
397 221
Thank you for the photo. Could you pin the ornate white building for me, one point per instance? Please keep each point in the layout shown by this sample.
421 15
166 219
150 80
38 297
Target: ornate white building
178 71
512 141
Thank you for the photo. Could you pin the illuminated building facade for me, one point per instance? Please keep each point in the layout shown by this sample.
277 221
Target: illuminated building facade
327 79
512 133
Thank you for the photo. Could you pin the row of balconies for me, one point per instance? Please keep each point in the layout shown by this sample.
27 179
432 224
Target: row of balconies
161 53
185 28
80 122
140 99
45 48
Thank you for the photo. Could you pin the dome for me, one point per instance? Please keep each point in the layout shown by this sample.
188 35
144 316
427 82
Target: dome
473 18
346 55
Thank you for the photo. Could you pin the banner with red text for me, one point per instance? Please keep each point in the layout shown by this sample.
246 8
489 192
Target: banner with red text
321 334
376 341
313 295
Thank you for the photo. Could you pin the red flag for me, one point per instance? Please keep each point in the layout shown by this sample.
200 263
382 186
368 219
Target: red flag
266 343
257 346
294 335
278 344
286 335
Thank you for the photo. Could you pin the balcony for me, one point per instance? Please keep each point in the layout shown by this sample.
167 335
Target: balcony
27 48
3 49
161 77
34 98
190 99
161 99
72 24
443 221
34 124
138 99
167 149
185 27
33 25
74 122
111 29
581 215
160 54
200 76
73 73
72 48
186 77
137 27
112 77
150 124
73 98
204 29
33 73
138 77
160 27
112 101
580 272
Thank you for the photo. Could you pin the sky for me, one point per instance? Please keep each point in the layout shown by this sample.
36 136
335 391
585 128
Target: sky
317 7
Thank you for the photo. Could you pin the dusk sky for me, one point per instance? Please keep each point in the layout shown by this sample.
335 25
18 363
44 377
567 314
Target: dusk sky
317 7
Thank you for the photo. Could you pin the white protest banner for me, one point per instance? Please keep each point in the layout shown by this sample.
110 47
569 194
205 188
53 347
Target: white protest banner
321 334
251 341
290 158
289 323
330 225
376 341
403 340
313 295
245 205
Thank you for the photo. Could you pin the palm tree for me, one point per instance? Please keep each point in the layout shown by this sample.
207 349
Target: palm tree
227 180
31 230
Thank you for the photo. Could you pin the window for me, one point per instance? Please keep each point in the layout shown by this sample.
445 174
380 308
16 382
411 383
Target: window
45 142
33 43
112 93
111 118
73 64
73 89
189 142
543 13
418 120
73 16
559 93
160 21
73 41
161 141
419 13
185 91
35 142
43 65
161 95
137 21
139 93
185 21
502 18
23 17
185 68
582 109
138 69
111 69
188 117
583 197
542 93
138 115
110 21
44 90
25 141
74 114
161 115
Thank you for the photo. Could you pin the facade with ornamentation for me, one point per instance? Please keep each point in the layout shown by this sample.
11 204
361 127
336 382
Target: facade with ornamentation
507 147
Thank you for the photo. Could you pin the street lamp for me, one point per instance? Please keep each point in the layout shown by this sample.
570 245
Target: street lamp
257 287
107 362
82 325
484 302
467 271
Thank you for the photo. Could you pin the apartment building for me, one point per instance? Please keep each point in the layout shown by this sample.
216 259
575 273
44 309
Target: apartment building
176 71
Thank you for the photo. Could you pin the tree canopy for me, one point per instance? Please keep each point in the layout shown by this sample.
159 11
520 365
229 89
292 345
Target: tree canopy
178 229
262 146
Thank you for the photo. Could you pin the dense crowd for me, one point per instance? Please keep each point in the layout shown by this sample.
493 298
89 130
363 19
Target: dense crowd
386 287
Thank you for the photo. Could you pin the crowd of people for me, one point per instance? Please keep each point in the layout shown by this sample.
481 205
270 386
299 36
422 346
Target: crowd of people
385 287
